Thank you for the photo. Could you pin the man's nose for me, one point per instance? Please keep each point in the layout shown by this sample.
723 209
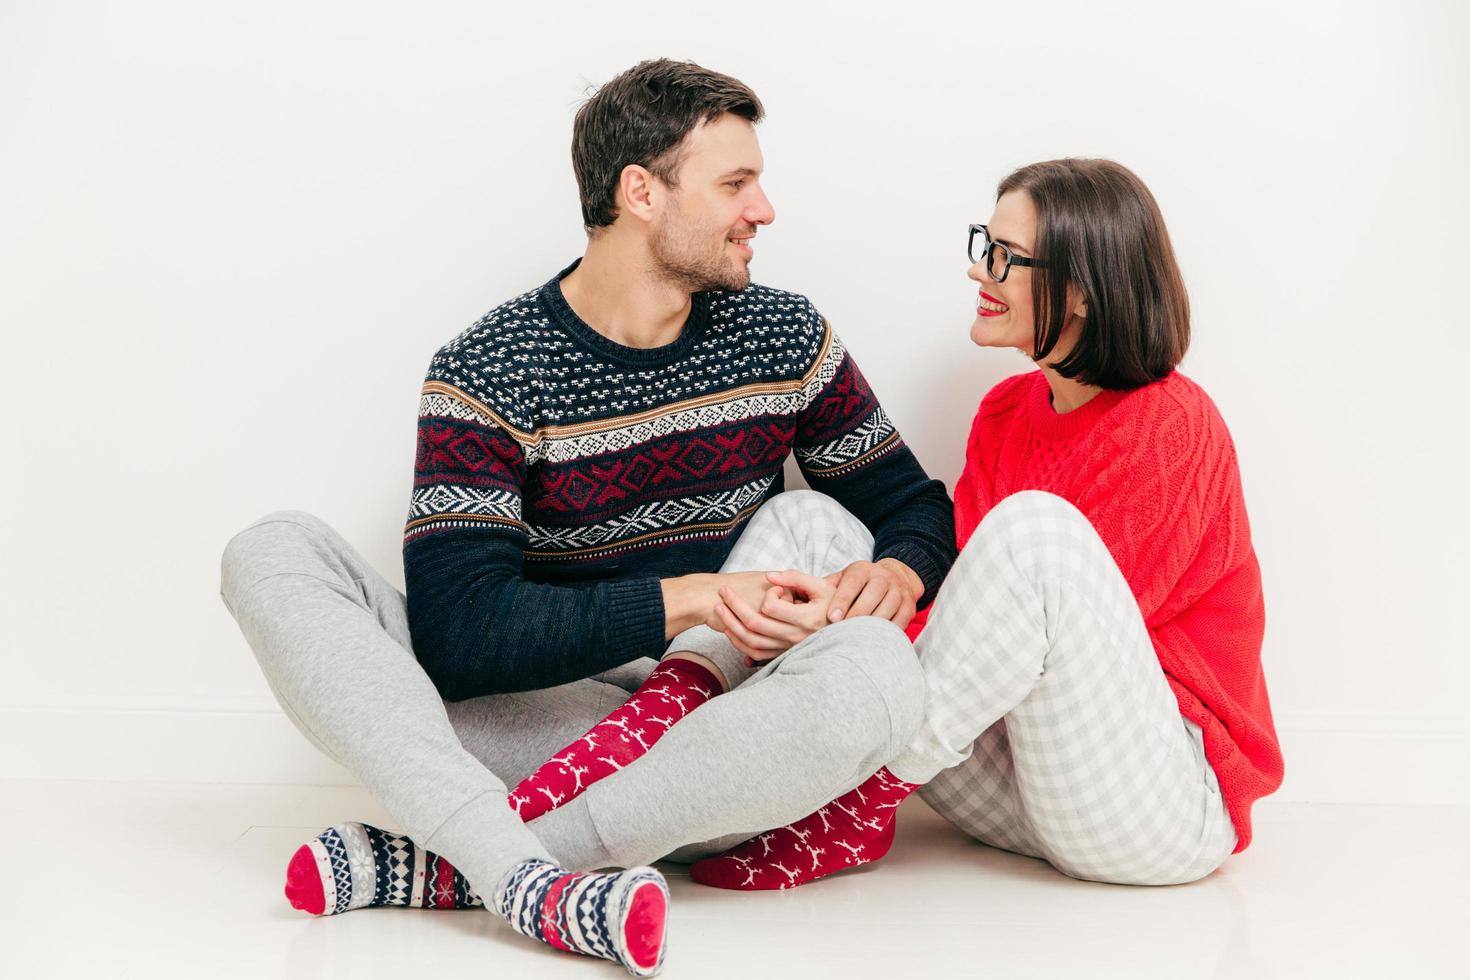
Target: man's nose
761 212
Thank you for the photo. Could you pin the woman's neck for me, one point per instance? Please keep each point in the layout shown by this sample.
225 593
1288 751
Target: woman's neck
1067 394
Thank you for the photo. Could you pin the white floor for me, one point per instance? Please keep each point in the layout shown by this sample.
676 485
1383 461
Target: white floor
183 880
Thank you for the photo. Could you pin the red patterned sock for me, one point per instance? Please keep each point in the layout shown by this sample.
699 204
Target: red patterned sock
675 688
852 830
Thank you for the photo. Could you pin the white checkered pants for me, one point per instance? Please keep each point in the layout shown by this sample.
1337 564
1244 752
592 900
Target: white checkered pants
1049 728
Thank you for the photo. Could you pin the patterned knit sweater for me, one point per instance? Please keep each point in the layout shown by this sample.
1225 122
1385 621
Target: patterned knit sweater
1154 470
560 475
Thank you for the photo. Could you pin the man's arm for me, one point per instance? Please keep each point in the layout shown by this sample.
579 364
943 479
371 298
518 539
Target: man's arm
848 448
478 626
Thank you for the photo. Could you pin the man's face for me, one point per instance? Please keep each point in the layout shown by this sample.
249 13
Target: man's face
701 238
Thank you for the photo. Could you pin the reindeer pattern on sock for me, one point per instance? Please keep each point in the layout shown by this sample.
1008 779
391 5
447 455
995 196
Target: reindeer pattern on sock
638 723
791 876
853 830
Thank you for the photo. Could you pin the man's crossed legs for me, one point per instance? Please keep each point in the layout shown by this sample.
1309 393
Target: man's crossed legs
332 638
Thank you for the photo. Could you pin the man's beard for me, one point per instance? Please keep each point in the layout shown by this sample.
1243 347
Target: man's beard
682 256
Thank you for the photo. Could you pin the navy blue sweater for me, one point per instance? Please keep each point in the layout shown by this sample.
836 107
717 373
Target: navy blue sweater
560 476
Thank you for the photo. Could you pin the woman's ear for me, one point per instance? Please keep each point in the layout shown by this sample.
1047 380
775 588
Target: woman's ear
1076 302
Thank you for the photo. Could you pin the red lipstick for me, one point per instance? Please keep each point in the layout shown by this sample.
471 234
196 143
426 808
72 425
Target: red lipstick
990 299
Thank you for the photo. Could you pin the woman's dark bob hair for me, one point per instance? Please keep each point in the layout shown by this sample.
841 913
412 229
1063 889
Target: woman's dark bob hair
1100 230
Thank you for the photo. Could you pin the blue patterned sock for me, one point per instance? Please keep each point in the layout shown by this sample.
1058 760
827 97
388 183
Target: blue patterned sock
353 866
619 916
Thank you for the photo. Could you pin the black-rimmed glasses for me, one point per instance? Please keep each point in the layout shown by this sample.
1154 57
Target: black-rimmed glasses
998 258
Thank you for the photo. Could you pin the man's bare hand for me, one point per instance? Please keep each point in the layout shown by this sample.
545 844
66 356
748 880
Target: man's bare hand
887 588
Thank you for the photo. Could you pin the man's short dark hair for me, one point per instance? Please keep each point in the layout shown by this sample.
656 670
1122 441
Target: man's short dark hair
1100 229
641 117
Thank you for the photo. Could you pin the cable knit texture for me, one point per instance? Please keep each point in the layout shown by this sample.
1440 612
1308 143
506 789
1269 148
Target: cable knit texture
1154 470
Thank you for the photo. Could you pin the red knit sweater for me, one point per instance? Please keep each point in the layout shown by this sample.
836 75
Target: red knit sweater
1154 470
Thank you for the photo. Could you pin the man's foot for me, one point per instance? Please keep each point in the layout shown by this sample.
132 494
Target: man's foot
619 917
675 688
353 866
852 830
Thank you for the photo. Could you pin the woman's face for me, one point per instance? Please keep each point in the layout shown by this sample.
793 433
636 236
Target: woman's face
1004 316
1003 313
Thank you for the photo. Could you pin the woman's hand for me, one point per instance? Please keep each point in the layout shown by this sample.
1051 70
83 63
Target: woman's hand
793 607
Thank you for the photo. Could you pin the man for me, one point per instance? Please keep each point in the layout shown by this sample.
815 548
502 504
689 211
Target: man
599 471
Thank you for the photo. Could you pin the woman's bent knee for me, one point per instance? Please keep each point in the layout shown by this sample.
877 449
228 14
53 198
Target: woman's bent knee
805 506
1144 868
1027 510
1027 531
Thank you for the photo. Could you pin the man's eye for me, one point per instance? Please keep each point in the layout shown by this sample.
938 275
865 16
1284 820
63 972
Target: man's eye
737 184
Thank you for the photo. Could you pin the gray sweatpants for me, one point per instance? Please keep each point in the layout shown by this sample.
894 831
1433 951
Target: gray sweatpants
331 636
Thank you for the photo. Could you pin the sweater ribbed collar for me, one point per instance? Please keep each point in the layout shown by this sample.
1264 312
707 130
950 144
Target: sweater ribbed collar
1047 423
636 357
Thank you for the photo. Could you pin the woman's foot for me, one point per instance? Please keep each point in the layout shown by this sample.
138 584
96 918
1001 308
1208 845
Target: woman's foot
620 916
675 688
852 830
354 866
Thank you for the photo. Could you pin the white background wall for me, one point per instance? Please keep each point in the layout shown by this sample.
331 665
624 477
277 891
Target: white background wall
232 235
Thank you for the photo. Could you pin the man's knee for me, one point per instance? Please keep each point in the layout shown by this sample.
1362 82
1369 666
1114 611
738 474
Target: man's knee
883 655
283 542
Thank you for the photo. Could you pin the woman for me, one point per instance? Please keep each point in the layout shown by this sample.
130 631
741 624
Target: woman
1094 684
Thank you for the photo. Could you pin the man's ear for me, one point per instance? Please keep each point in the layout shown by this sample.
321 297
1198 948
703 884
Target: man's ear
636 192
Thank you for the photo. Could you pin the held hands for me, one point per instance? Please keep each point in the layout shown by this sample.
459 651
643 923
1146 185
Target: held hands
792 605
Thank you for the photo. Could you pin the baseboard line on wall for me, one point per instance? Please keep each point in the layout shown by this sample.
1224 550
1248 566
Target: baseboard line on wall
157 744
1362 759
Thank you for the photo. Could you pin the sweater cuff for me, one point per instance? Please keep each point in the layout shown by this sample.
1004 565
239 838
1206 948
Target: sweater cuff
930 572
636 614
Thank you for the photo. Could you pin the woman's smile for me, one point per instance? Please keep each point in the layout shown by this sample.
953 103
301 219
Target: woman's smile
989 305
